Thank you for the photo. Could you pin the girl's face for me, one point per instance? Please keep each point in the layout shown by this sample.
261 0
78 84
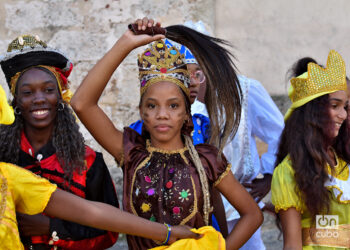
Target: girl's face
163 111
37 98
338 110
197 79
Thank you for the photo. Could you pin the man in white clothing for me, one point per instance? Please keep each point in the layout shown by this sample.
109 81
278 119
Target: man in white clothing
260 118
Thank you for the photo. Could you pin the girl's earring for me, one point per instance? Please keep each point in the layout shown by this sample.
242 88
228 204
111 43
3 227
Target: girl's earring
17 111
60 106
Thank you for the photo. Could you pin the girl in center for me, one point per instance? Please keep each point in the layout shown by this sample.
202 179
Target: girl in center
166 178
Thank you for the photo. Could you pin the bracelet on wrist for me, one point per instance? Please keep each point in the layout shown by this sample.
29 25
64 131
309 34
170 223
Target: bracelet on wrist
165 242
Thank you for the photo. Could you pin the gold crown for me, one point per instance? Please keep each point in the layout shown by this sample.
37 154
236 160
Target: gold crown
160 63
320 80
25 41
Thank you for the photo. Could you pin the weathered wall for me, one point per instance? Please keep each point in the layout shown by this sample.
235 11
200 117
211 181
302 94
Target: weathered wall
271 35
84 30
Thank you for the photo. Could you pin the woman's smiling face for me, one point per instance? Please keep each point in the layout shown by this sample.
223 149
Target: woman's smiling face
37 98
338 110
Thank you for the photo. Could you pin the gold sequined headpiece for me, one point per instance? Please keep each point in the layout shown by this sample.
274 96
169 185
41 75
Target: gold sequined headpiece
159 63
317 81
29 51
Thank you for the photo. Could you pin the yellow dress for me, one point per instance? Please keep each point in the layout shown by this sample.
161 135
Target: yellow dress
285 195
21 191
210 240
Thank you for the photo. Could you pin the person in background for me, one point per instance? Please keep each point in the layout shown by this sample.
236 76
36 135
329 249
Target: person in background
45 139
201 123
166 178
260 118
310 184
22 191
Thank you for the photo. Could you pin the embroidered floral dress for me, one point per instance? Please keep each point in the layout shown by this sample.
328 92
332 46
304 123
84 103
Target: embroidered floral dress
284 196
164 186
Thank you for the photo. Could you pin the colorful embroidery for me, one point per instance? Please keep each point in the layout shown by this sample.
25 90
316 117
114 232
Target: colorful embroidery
166 182
3 195
184 195
145 207
176 210
152 218
148 179
150 192
169 184
168 194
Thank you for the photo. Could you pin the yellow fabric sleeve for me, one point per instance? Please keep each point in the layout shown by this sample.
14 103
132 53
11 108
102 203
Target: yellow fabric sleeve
211 239
6 111
30 192
284 193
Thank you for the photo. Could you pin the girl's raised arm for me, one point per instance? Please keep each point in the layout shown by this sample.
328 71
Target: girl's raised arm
251 216
85 99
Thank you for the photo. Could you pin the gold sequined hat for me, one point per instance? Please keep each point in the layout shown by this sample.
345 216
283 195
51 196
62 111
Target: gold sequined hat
29 51
317 81
160 63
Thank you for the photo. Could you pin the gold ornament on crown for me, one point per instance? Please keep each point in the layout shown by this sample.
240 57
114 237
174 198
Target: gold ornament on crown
320 80
25 41
160 63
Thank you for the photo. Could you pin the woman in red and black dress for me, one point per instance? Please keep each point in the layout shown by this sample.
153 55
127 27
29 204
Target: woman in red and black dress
45 139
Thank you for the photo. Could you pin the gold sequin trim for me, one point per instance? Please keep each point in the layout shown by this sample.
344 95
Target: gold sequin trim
195 205
320 80
228 169
285 208
164 151
146 72
166 78
202 177
145 161
3 194
26 40
339 195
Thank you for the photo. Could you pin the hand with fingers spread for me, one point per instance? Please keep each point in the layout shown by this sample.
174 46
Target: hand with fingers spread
259 187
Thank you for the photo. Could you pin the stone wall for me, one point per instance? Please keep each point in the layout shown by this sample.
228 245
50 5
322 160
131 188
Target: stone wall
269 36
85 29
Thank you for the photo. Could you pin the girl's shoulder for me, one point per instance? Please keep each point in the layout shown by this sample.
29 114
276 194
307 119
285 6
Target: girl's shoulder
209 152
284 173
284 191
134 147
132 139
214 162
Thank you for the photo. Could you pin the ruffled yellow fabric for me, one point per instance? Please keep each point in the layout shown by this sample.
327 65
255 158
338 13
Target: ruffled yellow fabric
20 191
285 195
211 240
283 188
6 111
